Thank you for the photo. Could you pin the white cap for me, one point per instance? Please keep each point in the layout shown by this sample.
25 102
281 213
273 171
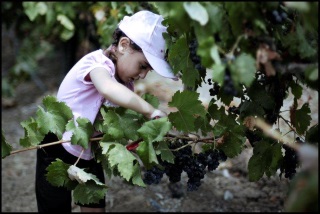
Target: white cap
145 29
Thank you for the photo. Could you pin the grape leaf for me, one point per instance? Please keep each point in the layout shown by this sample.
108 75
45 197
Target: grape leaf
112 124
258 94
265 159
147 154
55 118
136 176
5 147
153 100
232 143
155 130
120 126
119 156
81 133
203 125
302 119
180 61
57 173
312 134
296 89
189 106
32 135
165 153
196 12
76 173
250 108
243 69
90 192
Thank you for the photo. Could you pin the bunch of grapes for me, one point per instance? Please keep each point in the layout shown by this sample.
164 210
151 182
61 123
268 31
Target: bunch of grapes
252 136
234 110
194 165
290 162
193 46
278 17
215 88
228 86
153 175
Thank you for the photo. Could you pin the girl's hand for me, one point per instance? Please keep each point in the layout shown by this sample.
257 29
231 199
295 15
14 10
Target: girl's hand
158 114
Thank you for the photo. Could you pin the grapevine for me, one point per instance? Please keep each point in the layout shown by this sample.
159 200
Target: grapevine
258 58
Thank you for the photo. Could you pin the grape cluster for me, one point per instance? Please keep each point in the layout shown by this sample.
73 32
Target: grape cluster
193 46
234 110
193 164
153 175
290 162
278 16
252 137
214 157
215 88
228 86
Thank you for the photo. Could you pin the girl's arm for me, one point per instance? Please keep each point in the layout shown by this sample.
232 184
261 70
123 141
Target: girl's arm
121 95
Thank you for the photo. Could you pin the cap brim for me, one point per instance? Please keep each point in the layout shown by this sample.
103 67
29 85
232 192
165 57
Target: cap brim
160 66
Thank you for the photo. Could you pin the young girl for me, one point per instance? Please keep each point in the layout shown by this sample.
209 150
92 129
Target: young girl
103 77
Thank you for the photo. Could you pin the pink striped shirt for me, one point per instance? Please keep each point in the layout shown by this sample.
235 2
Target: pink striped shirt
82 96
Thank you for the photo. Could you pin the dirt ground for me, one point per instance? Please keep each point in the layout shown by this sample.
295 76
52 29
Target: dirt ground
226 189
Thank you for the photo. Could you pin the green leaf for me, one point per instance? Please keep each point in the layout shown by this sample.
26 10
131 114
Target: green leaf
147 154
66 34
298 44
232 144
81 133
312 134
218 73
243 69
112 124
153 100
164 151
302 119
136 176
90 192
33 9
265 159
249 108
57 174
296 89
55 118
259 96
119 156
154 130
5 147
196 12
66 22
189 107
180 61
32 135
312 73
203 125
83 176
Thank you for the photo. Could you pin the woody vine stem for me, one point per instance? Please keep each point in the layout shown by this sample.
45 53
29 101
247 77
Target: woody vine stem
258 123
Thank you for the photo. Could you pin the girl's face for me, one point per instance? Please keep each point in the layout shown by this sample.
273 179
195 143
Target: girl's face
131 64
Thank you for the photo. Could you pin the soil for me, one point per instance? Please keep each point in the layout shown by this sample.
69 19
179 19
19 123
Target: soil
226 189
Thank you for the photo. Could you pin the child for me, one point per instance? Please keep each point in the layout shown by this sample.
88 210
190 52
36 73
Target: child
103 77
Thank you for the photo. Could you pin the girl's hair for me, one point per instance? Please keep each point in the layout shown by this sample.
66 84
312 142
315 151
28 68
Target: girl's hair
117 35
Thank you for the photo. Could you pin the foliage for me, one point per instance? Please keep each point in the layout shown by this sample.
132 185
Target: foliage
256 57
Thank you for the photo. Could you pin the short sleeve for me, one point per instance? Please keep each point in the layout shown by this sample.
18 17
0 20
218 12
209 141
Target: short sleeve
91 61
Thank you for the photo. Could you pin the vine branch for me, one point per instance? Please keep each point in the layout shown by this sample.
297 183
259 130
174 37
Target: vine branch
204 140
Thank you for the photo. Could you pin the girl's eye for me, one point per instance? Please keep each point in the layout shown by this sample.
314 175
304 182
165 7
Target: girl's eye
143 67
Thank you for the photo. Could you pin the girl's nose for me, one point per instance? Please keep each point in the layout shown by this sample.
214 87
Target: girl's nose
143 74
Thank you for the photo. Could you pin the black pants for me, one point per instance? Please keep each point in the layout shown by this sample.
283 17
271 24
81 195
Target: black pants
59 199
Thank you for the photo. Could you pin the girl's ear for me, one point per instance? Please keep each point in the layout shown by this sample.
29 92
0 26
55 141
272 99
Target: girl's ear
124 44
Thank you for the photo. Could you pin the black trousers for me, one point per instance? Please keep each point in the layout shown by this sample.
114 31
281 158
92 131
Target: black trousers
59 199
